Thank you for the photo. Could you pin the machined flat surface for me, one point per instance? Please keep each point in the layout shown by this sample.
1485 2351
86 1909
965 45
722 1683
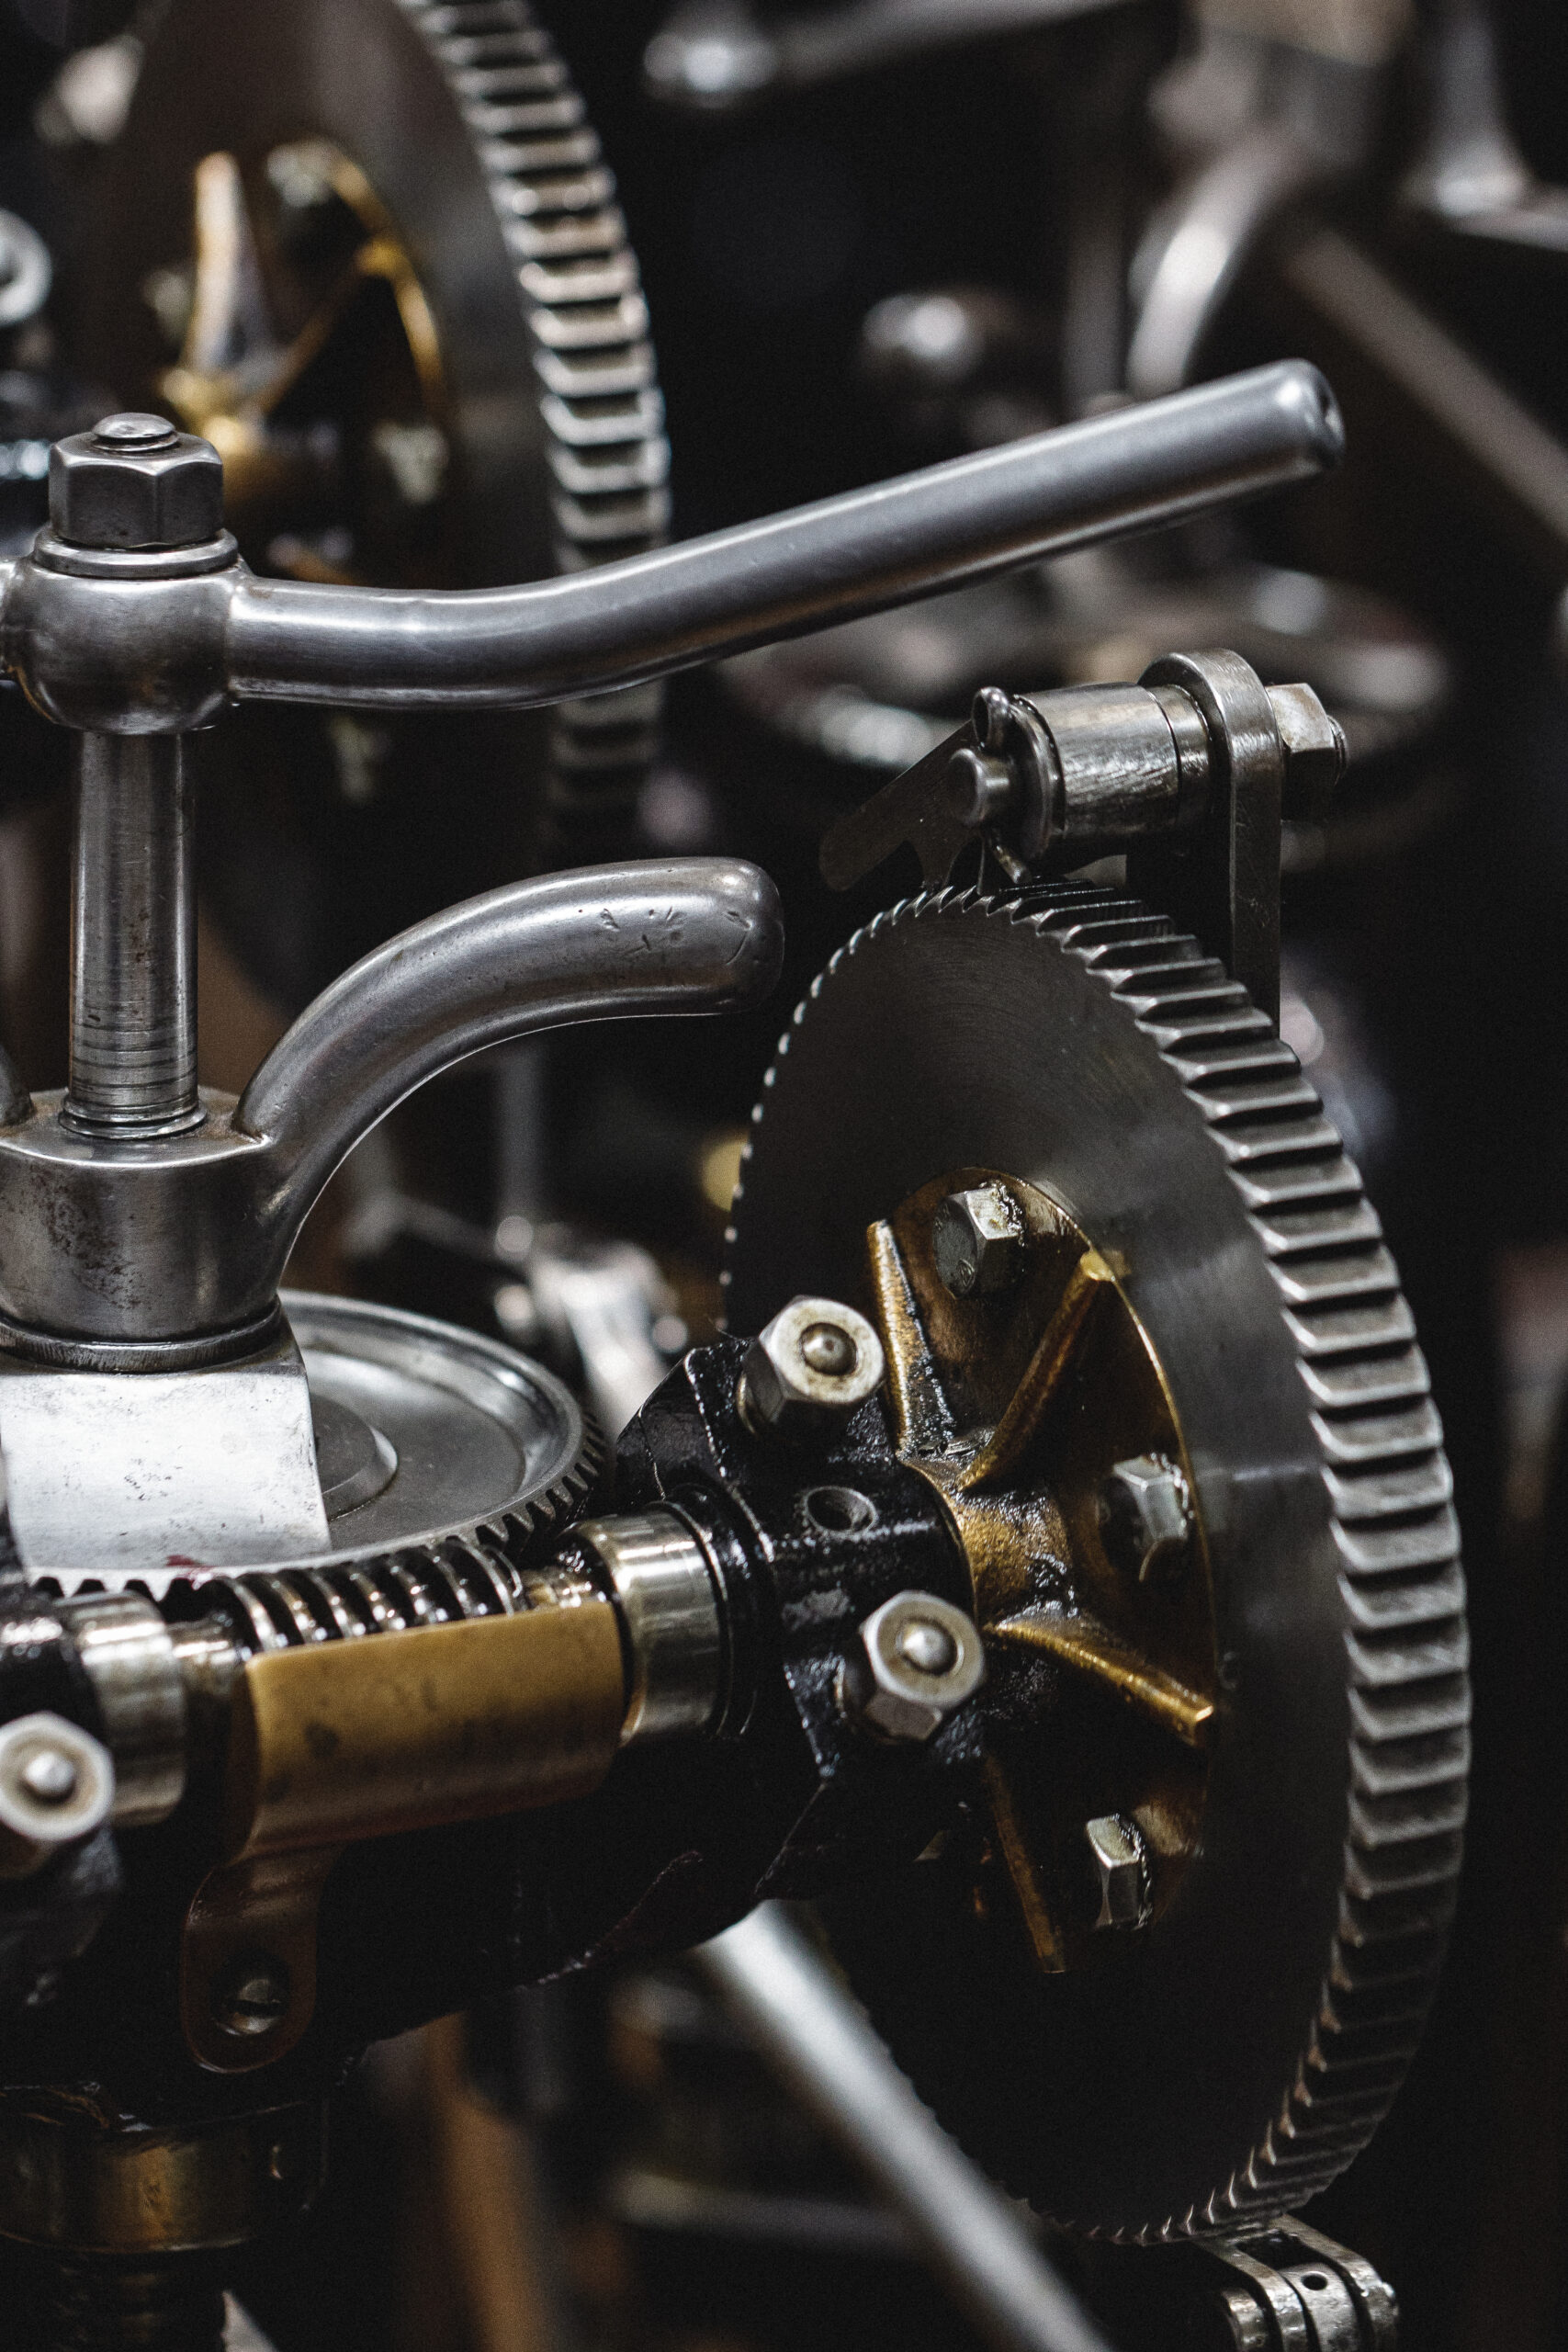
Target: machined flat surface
416 1431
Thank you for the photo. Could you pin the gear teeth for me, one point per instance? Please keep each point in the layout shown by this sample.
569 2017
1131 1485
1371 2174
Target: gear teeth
606 448
1389 1490
481 1571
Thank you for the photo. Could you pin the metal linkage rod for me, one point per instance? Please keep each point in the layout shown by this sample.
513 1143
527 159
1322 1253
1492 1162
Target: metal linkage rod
822 2044
133 939
789 573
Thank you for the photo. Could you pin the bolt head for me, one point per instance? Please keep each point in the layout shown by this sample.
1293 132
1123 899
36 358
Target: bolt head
928 1648
915 1662
50 1775
978 789
1314 745
1145 1517
57 1785
978 1242
814 1365
1120 1860
135 482
828 1348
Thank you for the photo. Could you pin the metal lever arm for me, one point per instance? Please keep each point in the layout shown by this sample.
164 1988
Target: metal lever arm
675 935
104 643
791 572
125 1247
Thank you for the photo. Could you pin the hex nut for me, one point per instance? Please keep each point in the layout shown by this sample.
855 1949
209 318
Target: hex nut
1120 1860
1145 1517
133 482
1314 745
915 1662
57 1786
814 1365
978 1242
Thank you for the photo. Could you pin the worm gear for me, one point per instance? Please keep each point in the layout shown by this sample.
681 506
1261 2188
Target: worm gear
1267 1754
374 253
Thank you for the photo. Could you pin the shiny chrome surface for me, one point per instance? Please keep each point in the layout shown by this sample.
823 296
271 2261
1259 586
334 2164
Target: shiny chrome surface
114 1476
130 1661
671 1621
422 1433
138 1243
138 655
817 2038
790 572
675 935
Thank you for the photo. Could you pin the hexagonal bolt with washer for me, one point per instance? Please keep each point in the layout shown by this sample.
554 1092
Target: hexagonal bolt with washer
978 1242
1121 1860
135 482
915 1660
56 1788
1314 745
814 1365
1145 1517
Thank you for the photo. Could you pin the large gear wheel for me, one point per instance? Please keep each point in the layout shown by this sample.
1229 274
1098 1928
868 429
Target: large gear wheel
373 250
1285 1728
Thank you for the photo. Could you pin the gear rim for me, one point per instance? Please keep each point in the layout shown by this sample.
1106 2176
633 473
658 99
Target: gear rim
1387 1522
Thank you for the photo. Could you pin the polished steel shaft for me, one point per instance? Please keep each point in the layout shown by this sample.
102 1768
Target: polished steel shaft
788 573
133 939
818 2040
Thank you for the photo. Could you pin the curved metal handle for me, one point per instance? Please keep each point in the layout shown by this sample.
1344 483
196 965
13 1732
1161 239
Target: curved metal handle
699 935
511 647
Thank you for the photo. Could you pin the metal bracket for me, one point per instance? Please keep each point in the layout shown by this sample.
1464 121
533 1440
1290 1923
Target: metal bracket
1189 772
1222 881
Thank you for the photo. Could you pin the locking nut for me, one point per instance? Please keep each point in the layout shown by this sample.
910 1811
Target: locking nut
135 482
1121 1866
1145 1517
57 1786
915 1662
814 1365
1314 745
978 1242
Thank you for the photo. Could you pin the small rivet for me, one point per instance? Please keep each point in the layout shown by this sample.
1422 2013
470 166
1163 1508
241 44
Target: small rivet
929 1648
49 1776
829 1348
133 430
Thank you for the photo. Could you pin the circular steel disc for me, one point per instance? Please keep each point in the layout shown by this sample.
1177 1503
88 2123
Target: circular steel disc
472 1434
1234 2053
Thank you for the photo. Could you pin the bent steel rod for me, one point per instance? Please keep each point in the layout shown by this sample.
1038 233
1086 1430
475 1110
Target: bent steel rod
293 641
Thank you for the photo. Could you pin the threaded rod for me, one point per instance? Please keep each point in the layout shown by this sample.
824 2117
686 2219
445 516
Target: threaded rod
133 939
